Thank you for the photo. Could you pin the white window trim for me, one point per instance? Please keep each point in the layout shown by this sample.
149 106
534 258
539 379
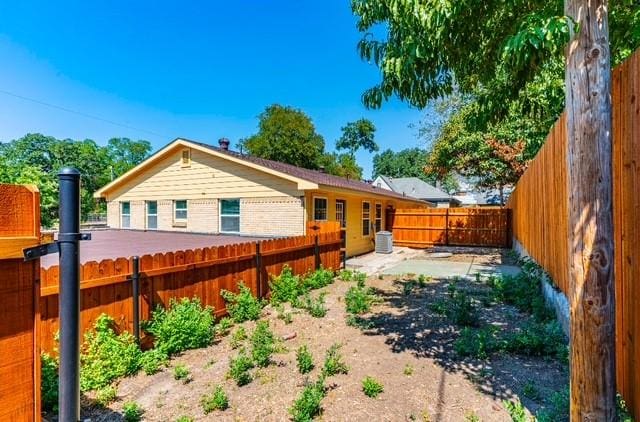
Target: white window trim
375 217
362 219
147 215
180 221
220 215
123 214
326 208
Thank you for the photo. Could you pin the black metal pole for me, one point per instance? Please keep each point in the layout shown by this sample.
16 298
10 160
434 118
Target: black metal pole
69 297
135 281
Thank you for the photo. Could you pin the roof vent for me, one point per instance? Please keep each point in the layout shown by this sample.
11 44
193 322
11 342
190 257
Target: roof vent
321 169
224 144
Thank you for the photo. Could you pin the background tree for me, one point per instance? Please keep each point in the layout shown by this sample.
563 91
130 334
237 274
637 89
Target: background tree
356 135
288 135
124 154
343 165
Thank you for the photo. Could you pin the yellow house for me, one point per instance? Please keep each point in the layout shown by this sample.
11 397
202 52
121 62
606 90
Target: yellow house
195 187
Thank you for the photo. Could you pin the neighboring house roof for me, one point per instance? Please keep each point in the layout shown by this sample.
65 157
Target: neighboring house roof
306 179
417 188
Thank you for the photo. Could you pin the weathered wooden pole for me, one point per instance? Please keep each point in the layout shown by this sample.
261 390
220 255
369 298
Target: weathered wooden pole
589 169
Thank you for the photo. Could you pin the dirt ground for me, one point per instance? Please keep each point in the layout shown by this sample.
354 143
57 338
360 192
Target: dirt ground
405 334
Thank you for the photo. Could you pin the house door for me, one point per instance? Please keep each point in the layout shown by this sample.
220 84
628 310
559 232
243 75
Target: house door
152 215
341 212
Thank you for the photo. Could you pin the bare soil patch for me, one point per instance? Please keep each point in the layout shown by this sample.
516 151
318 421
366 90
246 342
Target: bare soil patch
408 348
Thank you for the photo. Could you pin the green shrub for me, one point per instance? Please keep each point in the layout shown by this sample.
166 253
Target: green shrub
359 278
407 287
538 339
287 317
238 337
319 278
523 292
239 369
106 355
286 287
461 310
216 400
516 411
359 299
333 363
360 322
262 344
305 360
181 373
224 326
243 306
477 343
621 409
308 404
106 395
316 307
184 325
371 387
185 418
49 382
152 361
345 275
132 412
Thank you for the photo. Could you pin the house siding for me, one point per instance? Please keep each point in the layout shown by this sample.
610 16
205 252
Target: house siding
276 216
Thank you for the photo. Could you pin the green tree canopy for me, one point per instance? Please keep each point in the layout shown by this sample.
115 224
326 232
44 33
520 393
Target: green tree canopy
124 154
288 135
343 165
356 135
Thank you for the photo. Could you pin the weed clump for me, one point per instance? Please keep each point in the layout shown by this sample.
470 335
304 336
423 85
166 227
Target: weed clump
132 412
242 306
239 369
181 373
359 299
216 400
224 326
238 337
538 339
308 404
316 308
333 362
184 325
152 361
106 395
318 279
286 287
263 344
477 343
49 382
371 387
305 360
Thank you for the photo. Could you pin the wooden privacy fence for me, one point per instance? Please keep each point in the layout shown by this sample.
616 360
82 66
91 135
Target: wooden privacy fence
106 286
540 218
425 227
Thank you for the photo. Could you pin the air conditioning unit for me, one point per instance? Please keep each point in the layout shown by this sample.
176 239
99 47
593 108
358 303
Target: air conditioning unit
384 242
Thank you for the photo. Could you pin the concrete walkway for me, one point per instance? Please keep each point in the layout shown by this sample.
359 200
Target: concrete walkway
446 268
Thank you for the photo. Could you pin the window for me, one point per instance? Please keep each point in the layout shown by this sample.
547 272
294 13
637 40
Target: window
340 212
186 158
378 217
180 211
229 215
152 215
366 218
125 214
319 208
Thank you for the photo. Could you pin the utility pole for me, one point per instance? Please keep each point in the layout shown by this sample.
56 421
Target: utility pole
589 174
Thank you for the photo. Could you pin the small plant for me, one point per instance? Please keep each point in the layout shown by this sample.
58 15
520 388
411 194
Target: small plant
316 307
360 278
263 344
530 391
216 400
557 408
333 363
408 370
106 395
422 280
49 382
472 417
152 361
359 299
238 337
239 369
478 343
185 418
181 373
106 355
132 412
439 307
371 387
360 322
305 360
184 325
224 326
407 287
308 404
243 306
286 287
319 278
461 310
346 275
538 339
516 411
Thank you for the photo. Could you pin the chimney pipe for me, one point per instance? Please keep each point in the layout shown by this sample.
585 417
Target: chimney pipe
321 169
224 144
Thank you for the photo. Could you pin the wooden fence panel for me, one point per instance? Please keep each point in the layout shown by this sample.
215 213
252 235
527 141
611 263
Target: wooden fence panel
426 227
19 303
540 208
203 273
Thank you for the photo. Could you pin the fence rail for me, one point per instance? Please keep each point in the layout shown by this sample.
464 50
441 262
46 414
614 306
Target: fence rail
540 218
427 227
106 285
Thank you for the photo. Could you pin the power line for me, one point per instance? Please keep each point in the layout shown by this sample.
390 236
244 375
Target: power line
79 113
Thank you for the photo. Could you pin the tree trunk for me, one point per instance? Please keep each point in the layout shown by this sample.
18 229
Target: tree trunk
589 170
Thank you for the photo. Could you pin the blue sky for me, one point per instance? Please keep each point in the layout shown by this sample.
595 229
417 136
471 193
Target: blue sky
200 70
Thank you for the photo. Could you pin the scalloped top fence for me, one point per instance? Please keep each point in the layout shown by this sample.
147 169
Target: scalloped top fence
540 218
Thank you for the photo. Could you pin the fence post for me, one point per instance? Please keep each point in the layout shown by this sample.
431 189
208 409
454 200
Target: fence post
69 297
446 227
316 251
259 269
135 285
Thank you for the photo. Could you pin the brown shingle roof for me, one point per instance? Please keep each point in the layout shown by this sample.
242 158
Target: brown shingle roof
313 176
